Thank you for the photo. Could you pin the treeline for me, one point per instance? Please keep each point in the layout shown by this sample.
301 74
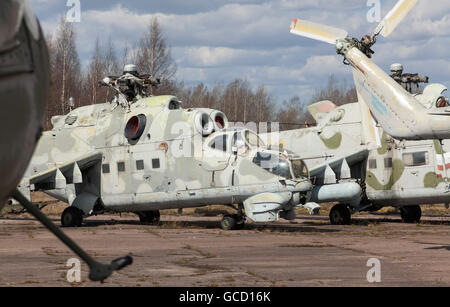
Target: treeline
238 99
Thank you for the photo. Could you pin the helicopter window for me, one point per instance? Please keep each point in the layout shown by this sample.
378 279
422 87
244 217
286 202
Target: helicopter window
299 168
273 164
220 142
105 169
238 145
174 105
388 163
442 102
121 166
156 163
416 158
140 165
253 139
372 164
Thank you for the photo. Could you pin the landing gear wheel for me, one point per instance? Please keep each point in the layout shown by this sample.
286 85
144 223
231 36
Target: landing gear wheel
149 217
411 214
72 217
232 222
240 222
228 222
340 215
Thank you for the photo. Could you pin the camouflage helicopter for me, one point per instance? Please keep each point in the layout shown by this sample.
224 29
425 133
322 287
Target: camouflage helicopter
141 153
402 174
24 90
389 102
402 115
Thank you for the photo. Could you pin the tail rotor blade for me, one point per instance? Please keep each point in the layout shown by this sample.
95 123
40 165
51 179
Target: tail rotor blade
317 31
394 17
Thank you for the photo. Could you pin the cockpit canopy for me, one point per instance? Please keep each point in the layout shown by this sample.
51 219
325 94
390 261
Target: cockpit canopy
235 140
433 96
281 165
244 142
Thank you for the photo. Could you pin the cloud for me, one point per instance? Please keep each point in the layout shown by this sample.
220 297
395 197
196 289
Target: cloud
218 40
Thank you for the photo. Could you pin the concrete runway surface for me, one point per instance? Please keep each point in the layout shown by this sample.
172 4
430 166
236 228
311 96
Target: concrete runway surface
193 251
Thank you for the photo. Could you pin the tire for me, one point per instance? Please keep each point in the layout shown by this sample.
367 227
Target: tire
411 214
340 215
228 222
149 217
72 217
240 222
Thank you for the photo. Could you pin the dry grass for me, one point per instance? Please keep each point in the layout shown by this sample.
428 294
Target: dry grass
204 254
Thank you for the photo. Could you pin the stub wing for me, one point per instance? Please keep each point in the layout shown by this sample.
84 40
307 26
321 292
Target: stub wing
337 168
67 173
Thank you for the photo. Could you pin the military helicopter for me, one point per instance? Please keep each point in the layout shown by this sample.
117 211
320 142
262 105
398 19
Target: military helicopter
141 153
401 114
24 90
403 174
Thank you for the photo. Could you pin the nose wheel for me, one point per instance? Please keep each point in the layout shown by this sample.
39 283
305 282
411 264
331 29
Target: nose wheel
340 215
149 217
232 222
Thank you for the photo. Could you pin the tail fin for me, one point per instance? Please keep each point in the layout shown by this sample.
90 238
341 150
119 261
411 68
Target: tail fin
370 131
319 109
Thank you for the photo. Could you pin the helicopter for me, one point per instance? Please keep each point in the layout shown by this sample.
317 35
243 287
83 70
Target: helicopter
141 153
402 114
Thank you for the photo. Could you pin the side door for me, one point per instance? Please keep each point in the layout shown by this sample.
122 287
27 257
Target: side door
419 161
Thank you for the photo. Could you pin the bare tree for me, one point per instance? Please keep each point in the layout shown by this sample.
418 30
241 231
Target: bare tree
293 115
65 70
338 92
153 55
67 63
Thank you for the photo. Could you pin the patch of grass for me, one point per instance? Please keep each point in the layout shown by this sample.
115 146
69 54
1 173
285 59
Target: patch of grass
153 232
229 278
204 254
254 274
49 251
202 269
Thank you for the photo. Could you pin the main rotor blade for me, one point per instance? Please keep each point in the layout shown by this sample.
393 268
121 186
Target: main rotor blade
317 31
394 17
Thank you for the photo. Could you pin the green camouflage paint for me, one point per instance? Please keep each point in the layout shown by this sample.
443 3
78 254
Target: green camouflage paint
431 180
334 142
384 147
438 147
397 171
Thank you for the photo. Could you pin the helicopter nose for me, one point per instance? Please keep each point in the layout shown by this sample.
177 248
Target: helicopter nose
304 186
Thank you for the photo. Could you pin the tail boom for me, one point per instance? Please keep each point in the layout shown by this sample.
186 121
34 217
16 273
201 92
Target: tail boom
394 108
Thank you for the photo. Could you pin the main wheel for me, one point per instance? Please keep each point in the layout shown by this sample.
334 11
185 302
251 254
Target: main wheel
411 214
340 215
240 222
149 217
228 222
72 217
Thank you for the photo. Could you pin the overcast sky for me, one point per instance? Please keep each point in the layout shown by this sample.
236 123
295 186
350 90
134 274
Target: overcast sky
216 41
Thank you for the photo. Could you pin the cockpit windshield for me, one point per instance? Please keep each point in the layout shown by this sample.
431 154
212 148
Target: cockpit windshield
253 139
274 164
299 168
442 102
